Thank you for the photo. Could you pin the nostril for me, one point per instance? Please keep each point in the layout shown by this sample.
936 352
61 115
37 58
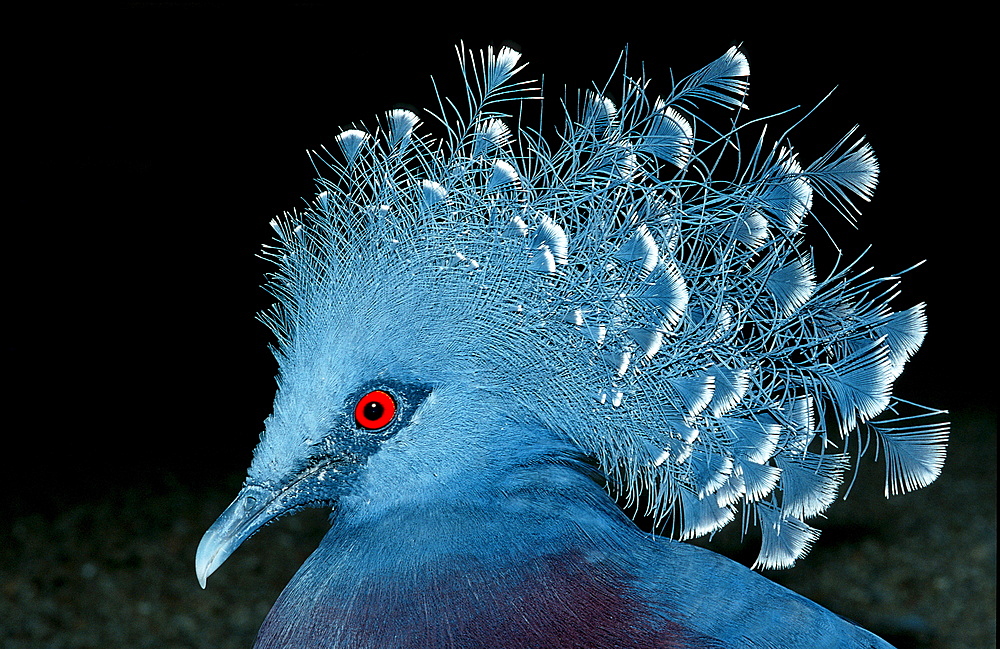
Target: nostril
249 503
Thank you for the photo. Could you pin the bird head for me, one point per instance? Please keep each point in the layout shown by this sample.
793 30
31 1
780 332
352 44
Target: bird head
445 309
392 386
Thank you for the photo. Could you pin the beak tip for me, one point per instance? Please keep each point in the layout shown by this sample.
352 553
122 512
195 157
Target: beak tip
201 569
205 559
236 524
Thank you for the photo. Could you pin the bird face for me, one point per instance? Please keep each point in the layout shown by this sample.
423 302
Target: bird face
315 470
385 393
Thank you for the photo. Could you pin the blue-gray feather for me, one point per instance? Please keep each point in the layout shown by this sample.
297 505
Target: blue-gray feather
590 252
605 296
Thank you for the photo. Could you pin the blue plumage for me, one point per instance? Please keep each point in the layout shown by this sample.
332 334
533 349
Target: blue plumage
478 337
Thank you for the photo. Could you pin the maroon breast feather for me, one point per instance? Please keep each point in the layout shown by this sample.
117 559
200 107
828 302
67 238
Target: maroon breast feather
554 602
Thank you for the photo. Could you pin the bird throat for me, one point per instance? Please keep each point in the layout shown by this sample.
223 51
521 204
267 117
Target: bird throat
544 570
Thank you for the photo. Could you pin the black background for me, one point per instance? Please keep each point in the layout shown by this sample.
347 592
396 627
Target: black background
149 145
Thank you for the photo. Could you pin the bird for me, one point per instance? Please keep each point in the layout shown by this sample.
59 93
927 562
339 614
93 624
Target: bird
500 339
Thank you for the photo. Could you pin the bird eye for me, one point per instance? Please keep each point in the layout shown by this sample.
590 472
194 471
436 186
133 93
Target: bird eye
375 410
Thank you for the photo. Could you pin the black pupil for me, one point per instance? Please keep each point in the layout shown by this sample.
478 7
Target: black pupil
373 410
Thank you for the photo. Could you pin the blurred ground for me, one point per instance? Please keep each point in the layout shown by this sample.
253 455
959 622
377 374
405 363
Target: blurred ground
118 571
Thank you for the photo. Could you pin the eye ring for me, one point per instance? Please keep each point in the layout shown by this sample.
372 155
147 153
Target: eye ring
375 410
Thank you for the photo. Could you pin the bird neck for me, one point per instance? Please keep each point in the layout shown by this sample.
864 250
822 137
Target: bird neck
529 560
554 498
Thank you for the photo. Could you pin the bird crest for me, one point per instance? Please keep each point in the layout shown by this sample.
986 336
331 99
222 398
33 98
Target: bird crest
614 286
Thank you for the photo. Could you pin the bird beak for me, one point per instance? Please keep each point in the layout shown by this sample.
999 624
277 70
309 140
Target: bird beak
253 508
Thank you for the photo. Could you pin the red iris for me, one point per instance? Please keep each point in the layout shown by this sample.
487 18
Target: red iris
375 410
